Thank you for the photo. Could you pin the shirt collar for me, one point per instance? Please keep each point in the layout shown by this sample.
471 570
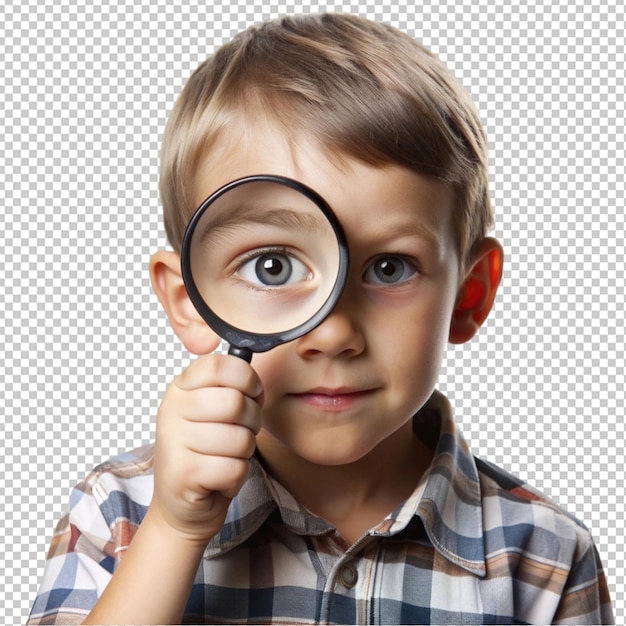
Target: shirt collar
260 496
447 500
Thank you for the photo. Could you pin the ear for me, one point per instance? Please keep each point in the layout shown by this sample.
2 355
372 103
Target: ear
478 291
167 282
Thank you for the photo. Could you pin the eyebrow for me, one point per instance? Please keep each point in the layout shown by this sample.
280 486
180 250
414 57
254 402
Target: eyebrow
243 215
413 229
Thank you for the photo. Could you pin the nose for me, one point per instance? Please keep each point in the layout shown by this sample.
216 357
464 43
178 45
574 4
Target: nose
339 334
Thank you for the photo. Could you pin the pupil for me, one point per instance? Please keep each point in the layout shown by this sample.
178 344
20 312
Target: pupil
388 268
273 266
273 270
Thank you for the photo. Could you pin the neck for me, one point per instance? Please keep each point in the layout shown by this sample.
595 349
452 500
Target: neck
355 496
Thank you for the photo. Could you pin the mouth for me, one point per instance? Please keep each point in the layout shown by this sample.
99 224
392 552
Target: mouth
340 399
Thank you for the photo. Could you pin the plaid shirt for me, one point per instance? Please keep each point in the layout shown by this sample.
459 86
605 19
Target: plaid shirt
471 545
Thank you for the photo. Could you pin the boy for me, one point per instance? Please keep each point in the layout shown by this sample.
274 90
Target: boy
328 482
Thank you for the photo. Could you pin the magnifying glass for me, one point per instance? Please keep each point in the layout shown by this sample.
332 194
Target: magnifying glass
264 261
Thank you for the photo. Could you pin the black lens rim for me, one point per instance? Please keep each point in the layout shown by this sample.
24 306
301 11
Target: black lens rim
261 342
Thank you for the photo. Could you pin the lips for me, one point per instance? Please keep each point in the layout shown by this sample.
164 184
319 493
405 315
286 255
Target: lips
339 399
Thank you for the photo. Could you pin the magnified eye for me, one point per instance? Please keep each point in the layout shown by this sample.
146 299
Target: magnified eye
390 270
273 268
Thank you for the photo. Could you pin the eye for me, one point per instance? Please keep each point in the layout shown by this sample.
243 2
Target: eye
390 270
273 268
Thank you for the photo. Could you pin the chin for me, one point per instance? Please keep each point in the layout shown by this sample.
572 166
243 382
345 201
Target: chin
333 455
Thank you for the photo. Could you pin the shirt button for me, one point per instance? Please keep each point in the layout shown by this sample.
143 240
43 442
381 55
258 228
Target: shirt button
348 575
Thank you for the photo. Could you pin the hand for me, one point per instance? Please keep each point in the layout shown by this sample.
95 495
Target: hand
205 436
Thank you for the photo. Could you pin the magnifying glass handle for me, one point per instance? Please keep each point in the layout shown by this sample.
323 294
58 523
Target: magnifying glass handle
242 353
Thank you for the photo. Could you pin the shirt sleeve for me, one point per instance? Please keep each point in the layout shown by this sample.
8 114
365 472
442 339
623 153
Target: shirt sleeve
79 565
585 598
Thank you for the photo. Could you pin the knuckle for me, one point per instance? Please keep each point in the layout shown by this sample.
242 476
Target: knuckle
233 404
211 364
245 442
251 447
229 475
200 372
238 472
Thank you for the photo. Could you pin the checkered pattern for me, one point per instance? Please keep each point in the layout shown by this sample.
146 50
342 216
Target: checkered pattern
471 545
84 93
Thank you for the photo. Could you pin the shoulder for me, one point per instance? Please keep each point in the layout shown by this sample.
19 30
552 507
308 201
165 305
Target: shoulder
126 471
113 495
104 511
509 502
519 501
120 487
112 499
132 464
540 546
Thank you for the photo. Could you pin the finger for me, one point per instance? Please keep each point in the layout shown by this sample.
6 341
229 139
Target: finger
227 440
223 474
220 370
219 405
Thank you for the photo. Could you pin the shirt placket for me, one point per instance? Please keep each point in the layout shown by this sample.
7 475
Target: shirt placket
349 584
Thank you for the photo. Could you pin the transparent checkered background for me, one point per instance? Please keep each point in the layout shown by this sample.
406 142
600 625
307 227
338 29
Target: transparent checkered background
85 88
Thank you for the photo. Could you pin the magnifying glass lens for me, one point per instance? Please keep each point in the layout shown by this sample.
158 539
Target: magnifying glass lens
264 255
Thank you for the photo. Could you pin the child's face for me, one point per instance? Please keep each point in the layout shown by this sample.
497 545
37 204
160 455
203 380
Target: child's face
336 393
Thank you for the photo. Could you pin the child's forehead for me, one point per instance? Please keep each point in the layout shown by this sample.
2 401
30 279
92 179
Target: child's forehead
389 198
260 145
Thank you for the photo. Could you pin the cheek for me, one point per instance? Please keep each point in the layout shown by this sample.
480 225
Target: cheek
415 338
416 352
273 369
424 319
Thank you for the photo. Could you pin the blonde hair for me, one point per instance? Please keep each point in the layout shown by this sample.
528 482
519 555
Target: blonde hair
364 89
